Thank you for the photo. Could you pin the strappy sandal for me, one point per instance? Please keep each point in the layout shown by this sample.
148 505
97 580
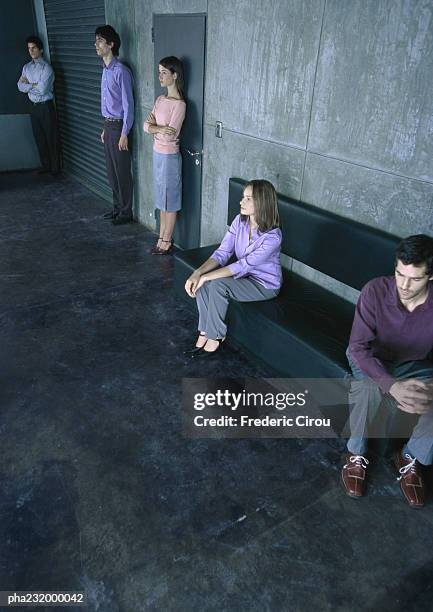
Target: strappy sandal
165 251
155 249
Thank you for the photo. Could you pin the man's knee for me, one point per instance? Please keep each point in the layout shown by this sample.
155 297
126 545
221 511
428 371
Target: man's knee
364 396
366 386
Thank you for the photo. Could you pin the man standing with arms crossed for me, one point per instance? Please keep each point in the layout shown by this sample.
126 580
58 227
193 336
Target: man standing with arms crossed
117 108
37 81
391 352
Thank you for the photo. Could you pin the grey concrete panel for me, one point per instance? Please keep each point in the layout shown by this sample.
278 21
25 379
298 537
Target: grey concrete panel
397 205
143 27
247 158
121 15
18 149
261 62
38 7
373 97
133 20
142 163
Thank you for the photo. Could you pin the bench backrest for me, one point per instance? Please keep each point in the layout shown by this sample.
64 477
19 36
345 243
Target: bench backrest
346 250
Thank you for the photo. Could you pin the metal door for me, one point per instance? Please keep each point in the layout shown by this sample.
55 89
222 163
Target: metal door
71 36
185 37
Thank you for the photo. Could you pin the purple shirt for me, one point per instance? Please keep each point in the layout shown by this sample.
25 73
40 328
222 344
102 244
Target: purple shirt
117 101
258 258
385 331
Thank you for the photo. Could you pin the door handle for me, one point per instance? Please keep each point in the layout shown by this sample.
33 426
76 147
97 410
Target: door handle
193 153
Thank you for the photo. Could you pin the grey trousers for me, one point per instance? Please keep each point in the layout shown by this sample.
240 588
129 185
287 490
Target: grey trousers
213 301
118 169
365 398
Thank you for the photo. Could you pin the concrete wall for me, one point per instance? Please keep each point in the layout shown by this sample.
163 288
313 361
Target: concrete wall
330 100
17 147
133 20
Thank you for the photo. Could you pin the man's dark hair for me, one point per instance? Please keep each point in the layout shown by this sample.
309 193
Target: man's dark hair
416 251
110 35
36 41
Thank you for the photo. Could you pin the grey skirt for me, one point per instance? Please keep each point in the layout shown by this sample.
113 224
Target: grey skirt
167 181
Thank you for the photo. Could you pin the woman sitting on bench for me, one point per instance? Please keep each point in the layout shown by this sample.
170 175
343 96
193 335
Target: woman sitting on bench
254 238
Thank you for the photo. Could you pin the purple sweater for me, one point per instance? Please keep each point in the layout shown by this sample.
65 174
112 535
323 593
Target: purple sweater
258 259
384 331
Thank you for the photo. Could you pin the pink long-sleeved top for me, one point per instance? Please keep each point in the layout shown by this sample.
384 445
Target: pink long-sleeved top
167 112
258 258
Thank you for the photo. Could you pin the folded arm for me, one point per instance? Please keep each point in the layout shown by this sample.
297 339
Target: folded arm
45 82
23 84
269 245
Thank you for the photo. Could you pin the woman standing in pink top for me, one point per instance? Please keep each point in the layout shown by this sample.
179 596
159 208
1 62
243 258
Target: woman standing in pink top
165 122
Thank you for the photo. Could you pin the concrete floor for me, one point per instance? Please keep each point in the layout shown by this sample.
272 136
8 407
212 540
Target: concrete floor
99 490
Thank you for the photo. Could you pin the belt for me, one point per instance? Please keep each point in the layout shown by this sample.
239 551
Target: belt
44 102
113 120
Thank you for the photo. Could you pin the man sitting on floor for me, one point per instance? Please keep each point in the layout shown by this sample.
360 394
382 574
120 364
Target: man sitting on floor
391 352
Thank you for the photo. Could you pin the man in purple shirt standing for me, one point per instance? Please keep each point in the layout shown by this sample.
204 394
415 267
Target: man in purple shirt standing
117 108
391 353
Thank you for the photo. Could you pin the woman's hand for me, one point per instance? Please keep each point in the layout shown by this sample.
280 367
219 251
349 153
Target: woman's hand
203 279
150 119
167 130
191 284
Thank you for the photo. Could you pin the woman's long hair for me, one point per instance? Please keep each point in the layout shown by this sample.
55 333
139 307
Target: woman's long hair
265 205
175 66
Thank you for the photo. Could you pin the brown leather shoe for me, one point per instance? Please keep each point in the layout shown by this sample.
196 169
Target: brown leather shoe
411 482
353 475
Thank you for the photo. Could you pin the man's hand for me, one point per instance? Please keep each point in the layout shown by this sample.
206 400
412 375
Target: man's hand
102 136
24 79
191 284
123 143
413 395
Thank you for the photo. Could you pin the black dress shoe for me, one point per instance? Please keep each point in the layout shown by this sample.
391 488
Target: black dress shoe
118 220
109 215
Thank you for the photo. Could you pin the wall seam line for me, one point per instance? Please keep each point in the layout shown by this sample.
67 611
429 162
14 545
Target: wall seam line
325 155
319 47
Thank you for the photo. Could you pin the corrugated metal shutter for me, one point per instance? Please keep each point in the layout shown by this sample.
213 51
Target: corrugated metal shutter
71 36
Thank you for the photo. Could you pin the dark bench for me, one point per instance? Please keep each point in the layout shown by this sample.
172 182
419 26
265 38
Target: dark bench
304 332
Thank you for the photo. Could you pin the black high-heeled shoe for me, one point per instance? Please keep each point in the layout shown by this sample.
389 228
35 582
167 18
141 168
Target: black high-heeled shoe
196 349
203 353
